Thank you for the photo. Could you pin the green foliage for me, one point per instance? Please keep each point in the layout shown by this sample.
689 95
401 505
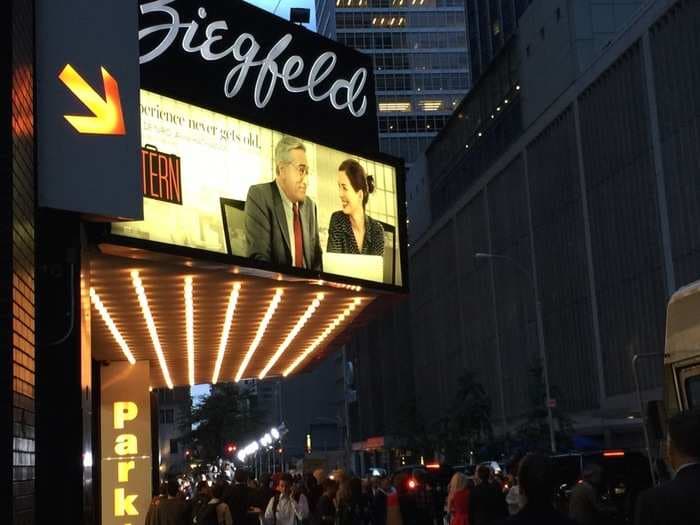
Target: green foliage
225 415
533 433
467 427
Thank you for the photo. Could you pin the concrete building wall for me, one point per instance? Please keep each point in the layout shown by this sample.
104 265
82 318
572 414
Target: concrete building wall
559 39
593 202
584 203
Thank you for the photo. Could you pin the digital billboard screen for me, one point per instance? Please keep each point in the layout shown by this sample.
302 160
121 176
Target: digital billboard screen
217 183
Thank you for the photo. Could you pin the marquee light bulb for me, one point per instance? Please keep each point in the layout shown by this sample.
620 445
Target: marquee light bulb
228 319
97 303
329 329
148 317
310 310
189 328
259 334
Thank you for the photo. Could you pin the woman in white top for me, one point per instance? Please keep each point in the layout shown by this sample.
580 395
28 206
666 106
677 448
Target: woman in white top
286 507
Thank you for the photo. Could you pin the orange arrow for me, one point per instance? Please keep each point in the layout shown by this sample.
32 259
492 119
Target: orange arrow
108 118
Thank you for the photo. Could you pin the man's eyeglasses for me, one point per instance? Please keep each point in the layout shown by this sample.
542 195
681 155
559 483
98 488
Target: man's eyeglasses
301 168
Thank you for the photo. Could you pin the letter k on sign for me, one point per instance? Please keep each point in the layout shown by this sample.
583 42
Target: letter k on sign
107 118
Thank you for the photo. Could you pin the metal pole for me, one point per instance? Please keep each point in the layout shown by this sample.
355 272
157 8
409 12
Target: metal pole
545 367
642 412
540 336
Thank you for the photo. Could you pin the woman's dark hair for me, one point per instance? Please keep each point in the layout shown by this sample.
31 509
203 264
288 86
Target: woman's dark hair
358 179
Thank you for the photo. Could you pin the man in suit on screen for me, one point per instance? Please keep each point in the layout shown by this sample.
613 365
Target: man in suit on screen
280 220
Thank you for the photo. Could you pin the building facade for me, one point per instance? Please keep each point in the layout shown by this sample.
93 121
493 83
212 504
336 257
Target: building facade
588 199
490 23
173 410
421 68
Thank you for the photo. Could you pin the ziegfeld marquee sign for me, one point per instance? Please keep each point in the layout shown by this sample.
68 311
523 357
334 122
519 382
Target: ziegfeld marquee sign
235 59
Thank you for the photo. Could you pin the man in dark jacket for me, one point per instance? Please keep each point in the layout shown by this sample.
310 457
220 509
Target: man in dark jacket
487 503
678 501
240 499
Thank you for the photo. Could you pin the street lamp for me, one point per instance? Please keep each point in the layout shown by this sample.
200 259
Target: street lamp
540 335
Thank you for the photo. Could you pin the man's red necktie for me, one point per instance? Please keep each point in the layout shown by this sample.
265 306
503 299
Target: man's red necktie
298 239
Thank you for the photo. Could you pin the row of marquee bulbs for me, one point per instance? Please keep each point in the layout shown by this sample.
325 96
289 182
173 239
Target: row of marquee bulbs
228 321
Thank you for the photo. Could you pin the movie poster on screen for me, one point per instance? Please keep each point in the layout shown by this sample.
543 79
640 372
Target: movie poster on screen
209 182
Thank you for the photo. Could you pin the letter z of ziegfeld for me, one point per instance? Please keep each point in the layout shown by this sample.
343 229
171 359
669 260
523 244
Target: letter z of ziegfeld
125 445
342 94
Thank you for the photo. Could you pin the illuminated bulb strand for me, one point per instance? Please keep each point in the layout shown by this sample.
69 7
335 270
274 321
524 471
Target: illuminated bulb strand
323 336
230 310
189 328
310 310
259 334
143 302
97 303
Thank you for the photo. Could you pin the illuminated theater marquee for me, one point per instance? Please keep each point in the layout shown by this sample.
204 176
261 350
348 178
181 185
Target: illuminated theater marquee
245 49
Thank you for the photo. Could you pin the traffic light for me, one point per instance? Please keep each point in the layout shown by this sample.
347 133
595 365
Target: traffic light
230 448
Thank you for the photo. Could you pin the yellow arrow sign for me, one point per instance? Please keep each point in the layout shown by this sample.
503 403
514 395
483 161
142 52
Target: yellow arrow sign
107 118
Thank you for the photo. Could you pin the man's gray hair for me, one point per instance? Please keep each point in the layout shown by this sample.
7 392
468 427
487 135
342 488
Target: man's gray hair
286 144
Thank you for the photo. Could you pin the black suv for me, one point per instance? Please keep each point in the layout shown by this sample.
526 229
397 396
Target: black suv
624 475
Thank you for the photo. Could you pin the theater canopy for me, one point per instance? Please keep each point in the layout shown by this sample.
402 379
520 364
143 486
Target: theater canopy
204 322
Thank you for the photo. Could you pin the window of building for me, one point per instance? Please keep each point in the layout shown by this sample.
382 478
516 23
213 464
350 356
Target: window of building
167 416
173 446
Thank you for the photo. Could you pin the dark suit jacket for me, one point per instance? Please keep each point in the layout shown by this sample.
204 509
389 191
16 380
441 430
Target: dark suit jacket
487 505
267 231
676 502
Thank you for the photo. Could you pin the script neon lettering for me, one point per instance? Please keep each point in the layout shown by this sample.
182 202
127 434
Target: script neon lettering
342 94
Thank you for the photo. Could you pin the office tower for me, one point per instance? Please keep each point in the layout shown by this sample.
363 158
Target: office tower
419 51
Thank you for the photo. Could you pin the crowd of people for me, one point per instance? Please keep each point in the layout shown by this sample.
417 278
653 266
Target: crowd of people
523 497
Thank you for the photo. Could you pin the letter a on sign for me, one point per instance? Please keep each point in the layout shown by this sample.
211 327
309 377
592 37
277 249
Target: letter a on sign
125 445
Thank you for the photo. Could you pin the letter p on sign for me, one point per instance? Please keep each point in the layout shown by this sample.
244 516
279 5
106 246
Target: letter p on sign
124 411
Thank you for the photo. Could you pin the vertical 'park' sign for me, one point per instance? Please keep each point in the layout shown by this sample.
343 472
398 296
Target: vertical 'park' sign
125 424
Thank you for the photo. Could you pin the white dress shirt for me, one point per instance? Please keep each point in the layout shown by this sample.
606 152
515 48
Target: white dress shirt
287 510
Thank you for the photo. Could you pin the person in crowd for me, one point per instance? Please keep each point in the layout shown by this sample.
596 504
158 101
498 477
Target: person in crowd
487 504
348 511
280 219
351 230
379 500
216 511
536 482
240 499
265 492
170 510
201 497
585 507
458 500
513 495
424 498
325 507
158 496
676 502
288 506
312 491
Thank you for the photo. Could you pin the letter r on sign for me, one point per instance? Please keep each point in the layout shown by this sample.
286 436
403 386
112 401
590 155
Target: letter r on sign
124 411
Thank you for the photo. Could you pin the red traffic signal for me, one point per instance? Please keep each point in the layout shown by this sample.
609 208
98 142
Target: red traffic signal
230 448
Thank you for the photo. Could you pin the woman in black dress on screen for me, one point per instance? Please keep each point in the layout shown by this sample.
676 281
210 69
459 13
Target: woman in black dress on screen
351 230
